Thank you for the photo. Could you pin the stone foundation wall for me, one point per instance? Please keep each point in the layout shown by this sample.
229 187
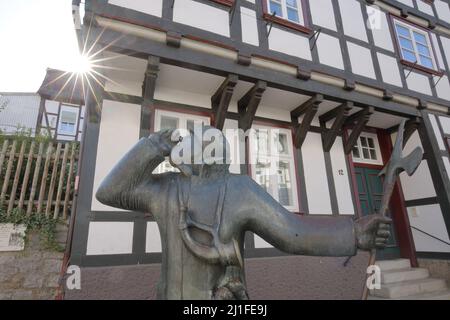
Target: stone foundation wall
280 278
438 268
32 274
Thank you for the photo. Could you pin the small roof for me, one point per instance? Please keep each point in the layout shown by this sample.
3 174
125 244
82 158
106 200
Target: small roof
62 86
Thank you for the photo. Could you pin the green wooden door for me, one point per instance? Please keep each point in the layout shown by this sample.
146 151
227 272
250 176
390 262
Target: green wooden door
370 189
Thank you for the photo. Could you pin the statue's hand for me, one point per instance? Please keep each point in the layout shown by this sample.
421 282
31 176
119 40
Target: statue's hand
372 231
166 139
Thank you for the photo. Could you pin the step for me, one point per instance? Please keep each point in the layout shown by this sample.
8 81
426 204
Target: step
440 295
399 275
386 265
409 288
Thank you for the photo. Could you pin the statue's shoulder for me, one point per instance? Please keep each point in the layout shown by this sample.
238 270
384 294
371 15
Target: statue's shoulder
236 180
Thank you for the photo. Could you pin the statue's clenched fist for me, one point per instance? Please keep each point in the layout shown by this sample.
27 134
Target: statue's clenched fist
166 139
372 231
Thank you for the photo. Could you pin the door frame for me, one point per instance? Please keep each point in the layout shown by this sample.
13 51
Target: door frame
399 213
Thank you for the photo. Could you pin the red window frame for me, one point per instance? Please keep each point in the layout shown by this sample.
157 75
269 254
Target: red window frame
407 63
286 23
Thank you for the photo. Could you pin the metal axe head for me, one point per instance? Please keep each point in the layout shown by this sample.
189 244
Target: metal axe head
397 164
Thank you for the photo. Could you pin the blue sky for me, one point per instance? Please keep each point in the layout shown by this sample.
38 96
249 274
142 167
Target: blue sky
34 35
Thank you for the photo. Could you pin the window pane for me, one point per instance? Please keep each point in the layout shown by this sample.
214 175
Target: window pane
408 55
420 37
407 44
423 50
262 142
262 176
373 154
402 31
292 14
169 122
426 62
365 153
356 152
281 143
68 116
284 184
364 141
371 143
291 3
275 7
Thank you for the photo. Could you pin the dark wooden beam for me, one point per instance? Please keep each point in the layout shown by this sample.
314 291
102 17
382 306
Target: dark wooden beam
148 94
359 120
339 115
248 104
309 109
221 100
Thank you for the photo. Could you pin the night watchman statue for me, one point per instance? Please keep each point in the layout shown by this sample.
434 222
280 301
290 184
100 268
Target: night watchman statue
203 214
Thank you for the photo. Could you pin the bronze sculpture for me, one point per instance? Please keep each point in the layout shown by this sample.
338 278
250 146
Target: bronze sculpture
204 211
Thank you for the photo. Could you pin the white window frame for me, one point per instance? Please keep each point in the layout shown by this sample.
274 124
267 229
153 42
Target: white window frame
68 108
182 124
289 158
373 136
284 15
412 29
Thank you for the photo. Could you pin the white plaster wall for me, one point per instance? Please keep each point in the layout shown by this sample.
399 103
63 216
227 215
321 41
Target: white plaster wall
20 111
442 87
315 175
446 165
443 10
361 60
183 97
425 7
418 82
446 47
323 14
445 123
51 106
407 2
341 178
249 26
389 69
429 219
437 49
437 132
264 111
261 243
152 238
289 43
329 50
110 238
202 16
380 28
153 7
119 131
352 19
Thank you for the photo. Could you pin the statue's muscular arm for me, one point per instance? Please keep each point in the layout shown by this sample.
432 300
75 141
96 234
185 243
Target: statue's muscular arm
291 233
131 185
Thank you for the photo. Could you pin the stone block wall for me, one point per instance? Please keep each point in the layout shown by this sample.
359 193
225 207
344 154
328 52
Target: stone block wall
32 274
438 268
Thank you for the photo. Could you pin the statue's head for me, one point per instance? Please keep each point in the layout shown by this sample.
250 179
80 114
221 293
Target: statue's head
203 150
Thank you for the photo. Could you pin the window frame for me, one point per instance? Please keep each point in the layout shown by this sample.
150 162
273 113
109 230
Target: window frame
430 46
360 160
290 158
68 108
228 3
303 7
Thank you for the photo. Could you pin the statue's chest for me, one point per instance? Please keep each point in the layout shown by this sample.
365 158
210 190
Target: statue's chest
203 202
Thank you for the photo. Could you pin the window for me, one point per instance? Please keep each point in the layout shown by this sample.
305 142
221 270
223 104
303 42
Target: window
175 120
68 121
286 12
272 164
367 150
415 45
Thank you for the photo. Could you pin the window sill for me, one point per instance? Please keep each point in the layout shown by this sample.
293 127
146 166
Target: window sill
228 3
287 23
421 68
